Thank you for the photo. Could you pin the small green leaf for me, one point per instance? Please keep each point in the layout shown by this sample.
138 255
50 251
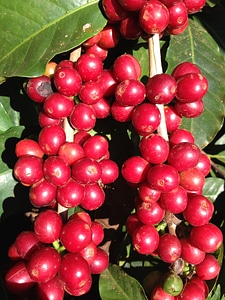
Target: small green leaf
220 156
34 31
8 116
115 284
213 188
197 46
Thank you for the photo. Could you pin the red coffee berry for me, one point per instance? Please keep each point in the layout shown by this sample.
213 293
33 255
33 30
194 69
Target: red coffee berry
102 53
91 92
132 5
100 263
108 82
109 37
67 81
147 194
191 109
180 136
191 291
192 179
94 197
209 268
86 170
161 88
178 15
150 213
126 67
113 10
145 239
97 232
28 147
173 119
89 66
158 293
52 289
204 164
185 68
130 28
120 112
45 120
26 244
83 117
169 248
96 147
101 108
39 88
70 152
89 253
194 6
42 193
190 253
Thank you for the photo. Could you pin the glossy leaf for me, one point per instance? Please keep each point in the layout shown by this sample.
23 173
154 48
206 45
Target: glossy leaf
115 284
213 188
197 46
37 30
8 116
220 156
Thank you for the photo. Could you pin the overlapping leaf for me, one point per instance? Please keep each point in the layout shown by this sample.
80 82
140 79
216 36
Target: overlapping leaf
34 31
115 284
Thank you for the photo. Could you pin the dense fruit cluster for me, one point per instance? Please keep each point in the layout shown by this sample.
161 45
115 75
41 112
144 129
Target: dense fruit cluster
143 18
56 258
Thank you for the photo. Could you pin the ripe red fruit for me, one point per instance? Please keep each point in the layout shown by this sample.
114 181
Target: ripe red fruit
52 289
45 120
192 180
154 17
42 193
154 148
70 194
147 194
56 170
185 68
108 82
163 177
199 210
101 108
207 237
146 118
132 5
173 119
145 239
86 170
161 88
96 147
89 66
50 138
194 6
28 169
130 92
191 87
44 264
38 88
26 244
209 268
58 106
100 263
89 253
74 270
204 164
184 156
70 152
159 294
17 280
94 196
91 92
174 201
178 15
28 147
150 213
109 37
78 291
97 232
191 291
82 216
126 67
135 169
67 81
190 253
83 117
110 171
120 112
102 53
191 109
180 136
47 226
113 10
75 235
130 28
169 248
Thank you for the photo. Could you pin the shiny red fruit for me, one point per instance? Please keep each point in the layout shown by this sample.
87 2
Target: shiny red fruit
126 67
28 147
145 239
100 263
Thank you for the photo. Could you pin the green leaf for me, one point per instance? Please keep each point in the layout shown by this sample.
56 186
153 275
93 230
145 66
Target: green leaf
213 187
8 116
197 46
34 31
220 156
115 284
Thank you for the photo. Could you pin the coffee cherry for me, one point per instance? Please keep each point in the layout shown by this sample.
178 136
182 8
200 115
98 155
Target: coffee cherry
154 17
130 28
67 81
110 171
28 147
70 194
75 235
146 118
130 92
102 53
163 177
86 170
173 119
159 294
81 216
185 68
204 164
191 291
169 248
70 152
178 15
101 108
132 5
94 197
113 10
132 223
50 138
83 117
150 213
161 88
97 232
184 156
192 180
91 92
209 268
89 253
109 37
28 169
181 136
135 169
42 193
52 289
96 147
120 112
207 237
199 210
89 66
45 120
126 67
147 194
191 109
154 148
47 226
145 239
190 253
44 264
56 170
39 88
108 82
201 283
17 279
100 263
26 244
78 291
194 6
92 40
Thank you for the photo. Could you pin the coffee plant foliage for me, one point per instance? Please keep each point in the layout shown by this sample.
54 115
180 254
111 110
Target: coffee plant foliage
34 32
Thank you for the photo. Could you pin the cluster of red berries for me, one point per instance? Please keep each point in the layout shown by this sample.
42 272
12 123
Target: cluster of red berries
142 18
56 258
169 176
